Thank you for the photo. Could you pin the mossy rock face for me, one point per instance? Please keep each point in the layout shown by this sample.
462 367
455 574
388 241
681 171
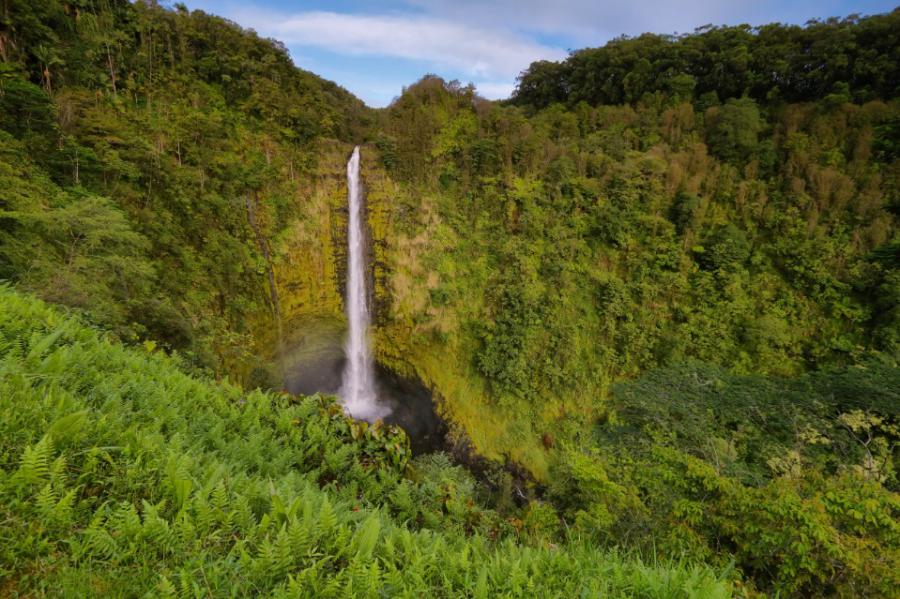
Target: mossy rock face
412 337
381 196
297 239
309 257
311 254
310 260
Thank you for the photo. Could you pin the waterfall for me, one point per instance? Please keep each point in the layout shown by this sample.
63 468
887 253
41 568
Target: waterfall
357 393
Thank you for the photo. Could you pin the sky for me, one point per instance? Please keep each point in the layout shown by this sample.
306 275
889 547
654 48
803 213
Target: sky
374 48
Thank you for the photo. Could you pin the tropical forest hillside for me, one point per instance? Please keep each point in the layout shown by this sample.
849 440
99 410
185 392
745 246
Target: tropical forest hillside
655 296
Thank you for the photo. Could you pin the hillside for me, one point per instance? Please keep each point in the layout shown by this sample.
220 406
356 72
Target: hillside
122 476
148 141
541 253
654 298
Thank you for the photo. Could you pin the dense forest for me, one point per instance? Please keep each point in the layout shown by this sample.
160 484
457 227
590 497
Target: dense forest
655 294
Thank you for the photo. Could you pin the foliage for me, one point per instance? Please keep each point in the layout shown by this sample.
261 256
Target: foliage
712 217
120 475
610 240
795 479
164 128
686 213
856 56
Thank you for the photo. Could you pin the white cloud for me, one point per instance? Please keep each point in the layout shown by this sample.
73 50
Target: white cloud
486 41
476 52
494 90
593 22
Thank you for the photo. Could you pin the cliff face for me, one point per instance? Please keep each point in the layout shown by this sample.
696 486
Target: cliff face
414 335
418 330
308 260
311 252
310 264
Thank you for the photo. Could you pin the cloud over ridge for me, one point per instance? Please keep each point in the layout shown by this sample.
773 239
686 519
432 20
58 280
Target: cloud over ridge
477 52
375 47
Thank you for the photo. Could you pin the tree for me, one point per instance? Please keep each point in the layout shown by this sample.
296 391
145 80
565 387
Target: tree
725 250
733 129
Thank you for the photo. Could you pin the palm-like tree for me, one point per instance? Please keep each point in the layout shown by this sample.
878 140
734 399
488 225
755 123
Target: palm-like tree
48 58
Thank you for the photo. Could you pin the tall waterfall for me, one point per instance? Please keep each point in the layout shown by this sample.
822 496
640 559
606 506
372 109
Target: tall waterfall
358 393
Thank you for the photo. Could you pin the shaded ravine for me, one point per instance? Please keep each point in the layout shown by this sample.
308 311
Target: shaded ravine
410 402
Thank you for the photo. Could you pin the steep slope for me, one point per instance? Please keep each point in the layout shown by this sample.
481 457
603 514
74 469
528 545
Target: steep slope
122 476
542 252
735 255
167 164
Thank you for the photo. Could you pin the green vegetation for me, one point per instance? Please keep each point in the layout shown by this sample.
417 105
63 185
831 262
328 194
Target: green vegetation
122 476
797 478
851 59
663 279
711 244
557 249
173 147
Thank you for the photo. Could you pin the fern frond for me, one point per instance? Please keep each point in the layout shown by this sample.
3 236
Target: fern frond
34 466
327 517
367 536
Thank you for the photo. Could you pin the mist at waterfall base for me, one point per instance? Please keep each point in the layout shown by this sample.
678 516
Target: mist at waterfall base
320 370
366 390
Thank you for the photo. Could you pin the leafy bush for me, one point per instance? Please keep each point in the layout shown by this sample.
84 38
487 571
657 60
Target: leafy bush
793 479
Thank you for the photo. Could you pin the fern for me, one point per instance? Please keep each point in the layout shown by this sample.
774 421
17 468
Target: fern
402 501
165 588
41 342
300 537
367 536
69 426
124 522
373 579
354 577
57 472
204 515
157 529
481 585
101 544
327 517
34 466
63 512
179 479
219 497
45 501
244 518
169 484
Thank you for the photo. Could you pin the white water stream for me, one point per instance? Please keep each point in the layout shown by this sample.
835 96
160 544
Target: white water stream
358 394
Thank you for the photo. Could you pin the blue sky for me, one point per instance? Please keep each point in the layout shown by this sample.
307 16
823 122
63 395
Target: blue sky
373 48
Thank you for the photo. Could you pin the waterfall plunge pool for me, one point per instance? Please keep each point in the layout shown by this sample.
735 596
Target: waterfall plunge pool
315 363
